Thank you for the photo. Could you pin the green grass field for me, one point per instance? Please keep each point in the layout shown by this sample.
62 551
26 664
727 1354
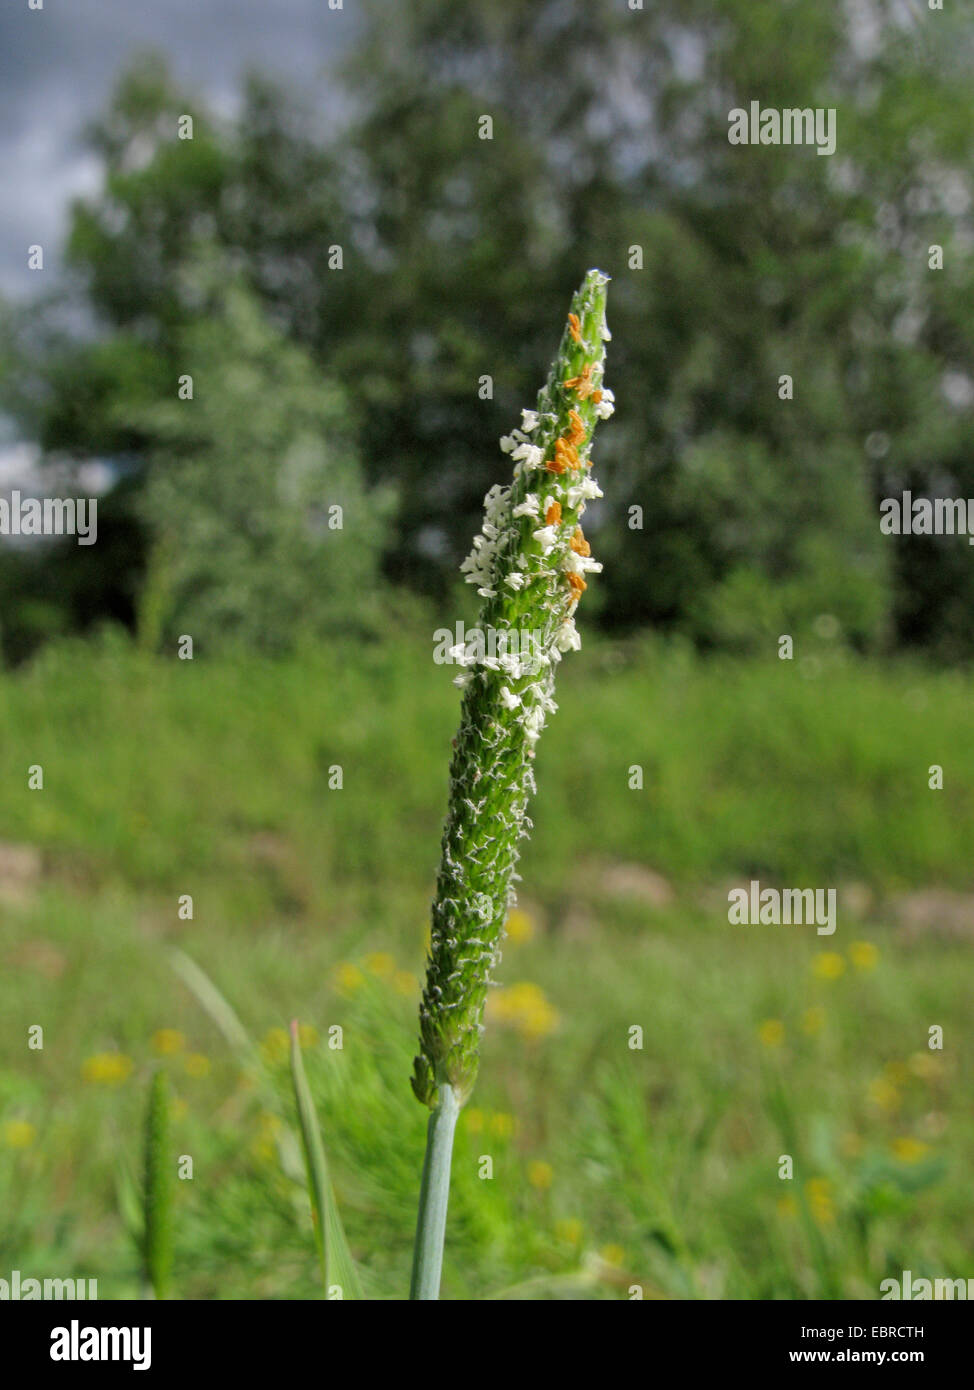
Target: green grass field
611 1165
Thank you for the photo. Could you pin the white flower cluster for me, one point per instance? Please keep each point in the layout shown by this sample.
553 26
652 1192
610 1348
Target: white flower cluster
530 557
497 559
495 536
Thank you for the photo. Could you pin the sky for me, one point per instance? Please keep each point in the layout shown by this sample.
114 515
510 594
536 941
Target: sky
58 65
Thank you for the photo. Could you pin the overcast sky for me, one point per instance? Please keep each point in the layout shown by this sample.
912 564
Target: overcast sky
58 66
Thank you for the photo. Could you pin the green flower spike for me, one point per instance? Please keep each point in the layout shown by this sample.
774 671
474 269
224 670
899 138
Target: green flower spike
528 564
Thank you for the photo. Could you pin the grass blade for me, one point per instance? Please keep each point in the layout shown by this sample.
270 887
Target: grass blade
337 1267
224 1016
158 1190
221 1012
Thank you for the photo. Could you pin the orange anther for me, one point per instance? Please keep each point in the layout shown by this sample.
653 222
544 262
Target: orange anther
574 327
579 544
577 584
581 383
566 454
553 513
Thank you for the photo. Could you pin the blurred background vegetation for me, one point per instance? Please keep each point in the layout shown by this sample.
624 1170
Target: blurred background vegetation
319 386
457 255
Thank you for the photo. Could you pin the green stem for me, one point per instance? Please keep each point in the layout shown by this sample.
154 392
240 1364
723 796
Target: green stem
433 1196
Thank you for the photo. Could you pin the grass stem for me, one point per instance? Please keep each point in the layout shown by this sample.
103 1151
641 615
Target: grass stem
433 1196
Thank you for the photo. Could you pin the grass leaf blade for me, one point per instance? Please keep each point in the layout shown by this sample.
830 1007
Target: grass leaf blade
337 1266
158 1190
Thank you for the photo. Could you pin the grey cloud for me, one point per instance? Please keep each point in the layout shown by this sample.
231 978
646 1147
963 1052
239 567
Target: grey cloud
58 66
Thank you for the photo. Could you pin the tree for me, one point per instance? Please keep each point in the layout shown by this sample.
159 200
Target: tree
263 533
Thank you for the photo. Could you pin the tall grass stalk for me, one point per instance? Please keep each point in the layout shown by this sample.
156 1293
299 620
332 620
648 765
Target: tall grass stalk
158 1190
434 1196
528 565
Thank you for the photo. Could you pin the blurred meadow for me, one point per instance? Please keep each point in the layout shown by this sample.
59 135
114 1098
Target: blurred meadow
291 778
611 1166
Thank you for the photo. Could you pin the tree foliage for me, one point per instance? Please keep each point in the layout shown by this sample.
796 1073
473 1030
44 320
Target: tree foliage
609 133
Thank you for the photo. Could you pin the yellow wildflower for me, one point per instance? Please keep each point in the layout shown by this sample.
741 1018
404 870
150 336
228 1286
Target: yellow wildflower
828 965
19 1134
348 978
772 1032
520 927
196 1065
569 1229
540 1174
107 1068
883 1094
818 1191
275 1046
166 1041
474 1120
909 1150
380 964
525 1007
864 955
538 1022
264 1146
926 1065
